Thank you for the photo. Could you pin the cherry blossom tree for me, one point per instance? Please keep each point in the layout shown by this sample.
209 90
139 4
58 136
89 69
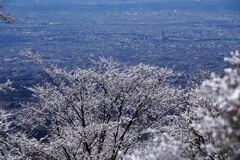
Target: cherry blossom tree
15 143
208 128
5 124
100 112
112 111
179 139
223 126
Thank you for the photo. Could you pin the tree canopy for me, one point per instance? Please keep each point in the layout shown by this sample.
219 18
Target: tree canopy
112 111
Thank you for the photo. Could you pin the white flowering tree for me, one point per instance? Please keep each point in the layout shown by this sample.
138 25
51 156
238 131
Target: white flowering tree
102 112
3 125
6 142
223 126
112 111
179 139
15 142
209 127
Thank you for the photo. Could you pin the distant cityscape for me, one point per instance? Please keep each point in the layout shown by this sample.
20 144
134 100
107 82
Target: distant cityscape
186 40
